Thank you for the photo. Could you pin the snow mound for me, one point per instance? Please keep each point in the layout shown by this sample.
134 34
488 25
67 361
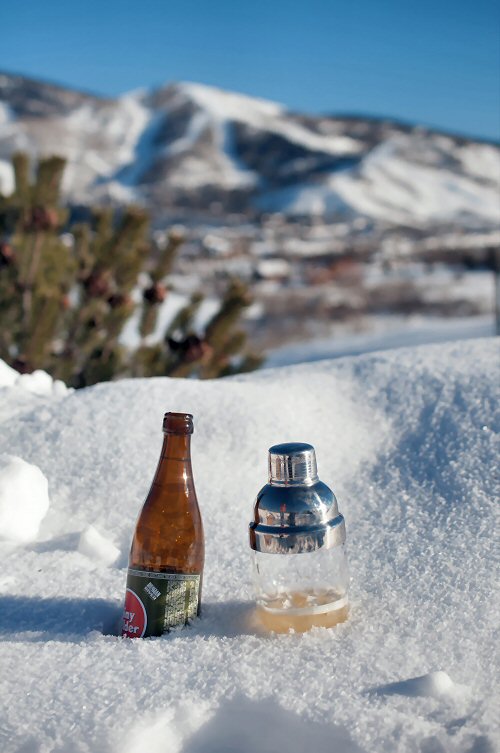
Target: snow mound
24 499
408 439
41 383
38 382
20 393
97 547
8 375
434 685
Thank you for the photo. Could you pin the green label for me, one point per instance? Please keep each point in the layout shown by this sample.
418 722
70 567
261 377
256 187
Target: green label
157 602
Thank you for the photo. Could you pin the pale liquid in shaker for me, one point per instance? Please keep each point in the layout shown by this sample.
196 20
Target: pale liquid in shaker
302 610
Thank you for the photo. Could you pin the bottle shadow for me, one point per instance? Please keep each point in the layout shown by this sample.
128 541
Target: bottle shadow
27 619
226 619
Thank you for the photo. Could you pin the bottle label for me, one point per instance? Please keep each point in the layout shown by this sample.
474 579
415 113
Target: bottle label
157 602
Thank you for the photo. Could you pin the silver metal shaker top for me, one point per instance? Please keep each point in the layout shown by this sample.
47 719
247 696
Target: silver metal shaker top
292 463
295 512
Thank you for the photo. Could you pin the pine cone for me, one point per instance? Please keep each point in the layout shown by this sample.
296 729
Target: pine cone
192 348
21 365
41 218
6 255
119 299
97 284
156 293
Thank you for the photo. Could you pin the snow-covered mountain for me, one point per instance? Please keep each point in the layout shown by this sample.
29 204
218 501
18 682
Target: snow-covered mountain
191 146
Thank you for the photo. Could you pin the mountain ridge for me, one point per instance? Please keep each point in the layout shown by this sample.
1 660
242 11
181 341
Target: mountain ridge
331 114
194 147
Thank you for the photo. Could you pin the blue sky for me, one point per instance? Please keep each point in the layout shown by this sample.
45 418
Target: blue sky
432 62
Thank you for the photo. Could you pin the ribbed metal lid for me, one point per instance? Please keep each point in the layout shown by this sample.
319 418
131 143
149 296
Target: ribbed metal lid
292 463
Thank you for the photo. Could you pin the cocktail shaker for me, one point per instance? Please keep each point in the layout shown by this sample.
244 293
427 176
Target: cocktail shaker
297 540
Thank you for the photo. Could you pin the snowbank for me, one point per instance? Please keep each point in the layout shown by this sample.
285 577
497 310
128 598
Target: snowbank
8 375
28 390
41 383
24 499
407 438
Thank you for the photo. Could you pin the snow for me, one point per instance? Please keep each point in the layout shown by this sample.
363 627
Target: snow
394 185
97 547
207 310
216 111
415 190
7 129
6 114
434 684
222 167
130 336
386 332
179 139
7 181
8 375
21 393
482 160
408 439
98 138
303 199
265 115
275 267
24 499
230 105
41 383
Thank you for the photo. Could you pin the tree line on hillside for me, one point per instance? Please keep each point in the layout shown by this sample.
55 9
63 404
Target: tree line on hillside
67 290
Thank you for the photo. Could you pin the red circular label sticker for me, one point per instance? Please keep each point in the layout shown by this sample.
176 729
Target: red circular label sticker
135 619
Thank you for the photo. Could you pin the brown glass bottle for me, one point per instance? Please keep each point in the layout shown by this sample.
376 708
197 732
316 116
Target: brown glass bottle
168 550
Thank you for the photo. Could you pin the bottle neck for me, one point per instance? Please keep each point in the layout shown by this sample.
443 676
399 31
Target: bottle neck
174 466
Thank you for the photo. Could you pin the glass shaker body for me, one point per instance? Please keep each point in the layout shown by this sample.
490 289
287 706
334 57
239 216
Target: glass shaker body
301 591
300 570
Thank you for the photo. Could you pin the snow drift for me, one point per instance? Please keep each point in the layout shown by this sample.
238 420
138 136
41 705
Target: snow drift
408 439
24 499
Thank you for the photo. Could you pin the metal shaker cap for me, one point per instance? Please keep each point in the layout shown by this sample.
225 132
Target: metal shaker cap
295 512
292 463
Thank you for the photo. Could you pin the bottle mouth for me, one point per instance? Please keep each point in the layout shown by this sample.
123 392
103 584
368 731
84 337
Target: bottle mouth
178 423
